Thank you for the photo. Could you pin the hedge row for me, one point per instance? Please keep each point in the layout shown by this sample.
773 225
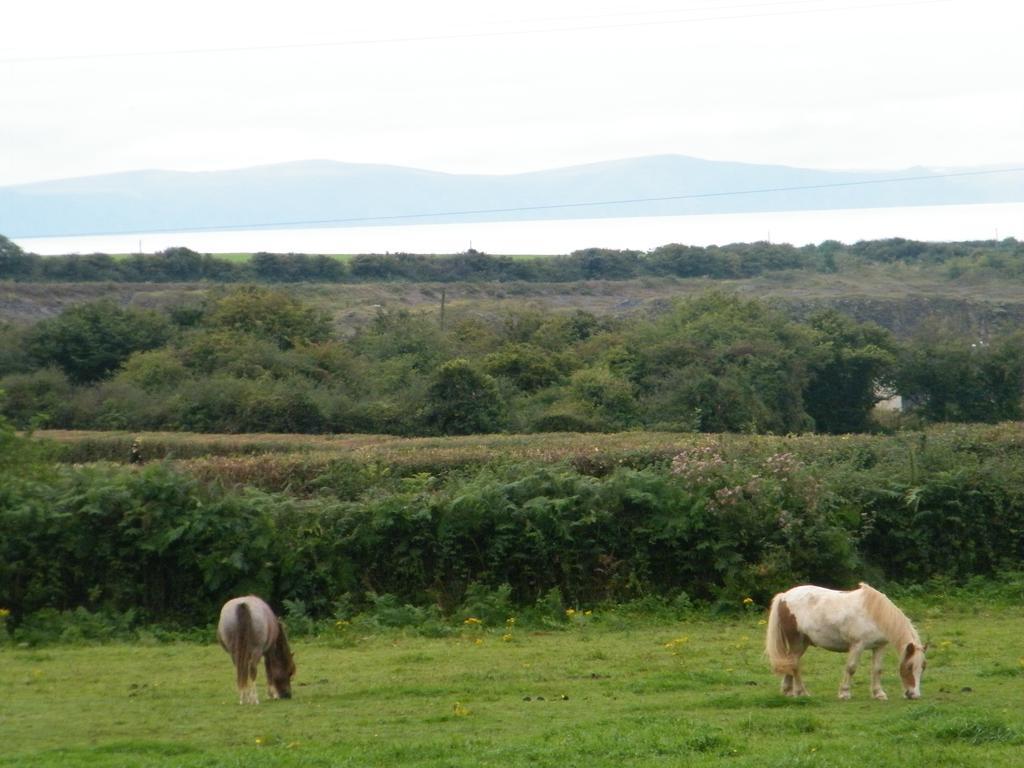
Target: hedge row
715 525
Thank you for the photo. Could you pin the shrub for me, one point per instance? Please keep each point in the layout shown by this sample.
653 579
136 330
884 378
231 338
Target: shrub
462 400
731 518
36 399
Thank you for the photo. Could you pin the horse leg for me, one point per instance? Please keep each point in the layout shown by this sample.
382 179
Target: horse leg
798 685
878 656
787 685
251 695
242 683
793 685
246 682
852 659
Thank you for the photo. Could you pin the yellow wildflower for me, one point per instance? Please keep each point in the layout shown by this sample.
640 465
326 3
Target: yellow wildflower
748 601
4 613
472 620
459 710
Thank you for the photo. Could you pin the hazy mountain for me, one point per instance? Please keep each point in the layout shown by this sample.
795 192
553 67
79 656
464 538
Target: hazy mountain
331 193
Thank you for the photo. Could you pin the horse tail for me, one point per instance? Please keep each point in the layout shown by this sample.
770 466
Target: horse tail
241 644
779 637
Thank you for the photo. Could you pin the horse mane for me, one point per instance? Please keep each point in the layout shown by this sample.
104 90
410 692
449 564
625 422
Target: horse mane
891 620
280 654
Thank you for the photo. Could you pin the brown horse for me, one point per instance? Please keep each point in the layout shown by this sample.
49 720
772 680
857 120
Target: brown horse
247 630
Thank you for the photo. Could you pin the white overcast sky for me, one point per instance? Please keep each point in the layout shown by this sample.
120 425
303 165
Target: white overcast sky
482 87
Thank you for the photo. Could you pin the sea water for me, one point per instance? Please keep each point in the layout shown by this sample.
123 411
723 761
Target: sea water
989 221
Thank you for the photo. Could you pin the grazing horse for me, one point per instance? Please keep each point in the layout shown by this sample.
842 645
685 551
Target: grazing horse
247 630
850 622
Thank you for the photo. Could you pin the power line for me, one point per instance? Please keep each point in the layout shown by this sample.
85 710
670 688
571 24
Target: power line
470 35
664 11
532 208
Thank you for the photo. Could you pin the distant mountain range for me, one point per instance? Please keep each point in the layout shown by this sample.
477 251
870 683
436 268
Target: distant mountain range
327 193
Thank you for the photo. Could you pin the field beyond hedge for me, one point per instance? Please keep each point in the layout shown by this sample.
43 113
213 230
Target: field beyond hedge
606 690
291 462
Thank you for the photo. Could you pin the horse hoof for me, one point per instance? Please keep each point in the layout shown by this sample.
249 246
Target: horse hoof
845 696
881 697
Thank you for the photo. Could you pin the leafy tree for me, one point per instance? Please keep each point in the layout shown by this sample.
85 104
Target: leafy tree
607 399
232 352
723 363
852 361
606 264
953 379
15 263
14 357
284 406
462 400
293 267
154 370
33 399
179 264
89 341
415 339
270 314
527 366
83 268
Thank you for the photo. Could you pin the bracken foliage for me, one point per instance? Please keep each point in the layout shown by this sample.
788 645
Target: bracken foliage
723 520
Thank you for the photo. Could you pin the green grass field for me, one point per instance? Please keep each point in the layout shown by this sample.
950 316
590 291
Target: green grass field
607 691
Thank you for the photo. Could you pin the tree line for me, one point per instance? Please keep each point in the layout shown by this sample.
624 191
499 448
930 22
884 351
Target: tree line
739 260
256 359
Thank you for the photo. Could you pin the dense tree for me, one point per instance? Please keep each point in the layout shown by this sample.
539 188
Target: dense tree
403 336
269 314
155 369
39 398
954 379
528 367
853 364
89 341
257 359
462 400
15 264
14 357
737 260
721 364
607 401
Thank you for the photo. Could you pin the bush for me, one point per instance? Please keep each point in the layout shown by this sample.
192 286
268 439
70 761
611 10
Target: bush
733 518
36 399
89 341
462 400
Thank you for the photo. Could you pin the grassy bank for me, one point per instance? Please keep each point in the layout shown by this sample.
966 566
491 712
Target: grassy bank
606 691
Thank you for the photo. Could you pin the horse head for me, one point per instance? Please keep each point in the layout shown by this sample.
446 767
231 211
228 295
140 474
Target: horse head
912 666
280 667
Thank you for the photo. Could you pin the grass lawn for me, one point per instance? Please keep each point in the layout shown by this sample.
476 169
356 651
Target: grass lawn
607 691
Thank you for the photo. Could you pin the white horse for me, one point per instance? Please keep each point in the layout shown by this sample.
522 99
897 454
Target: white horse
247 630
855 621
